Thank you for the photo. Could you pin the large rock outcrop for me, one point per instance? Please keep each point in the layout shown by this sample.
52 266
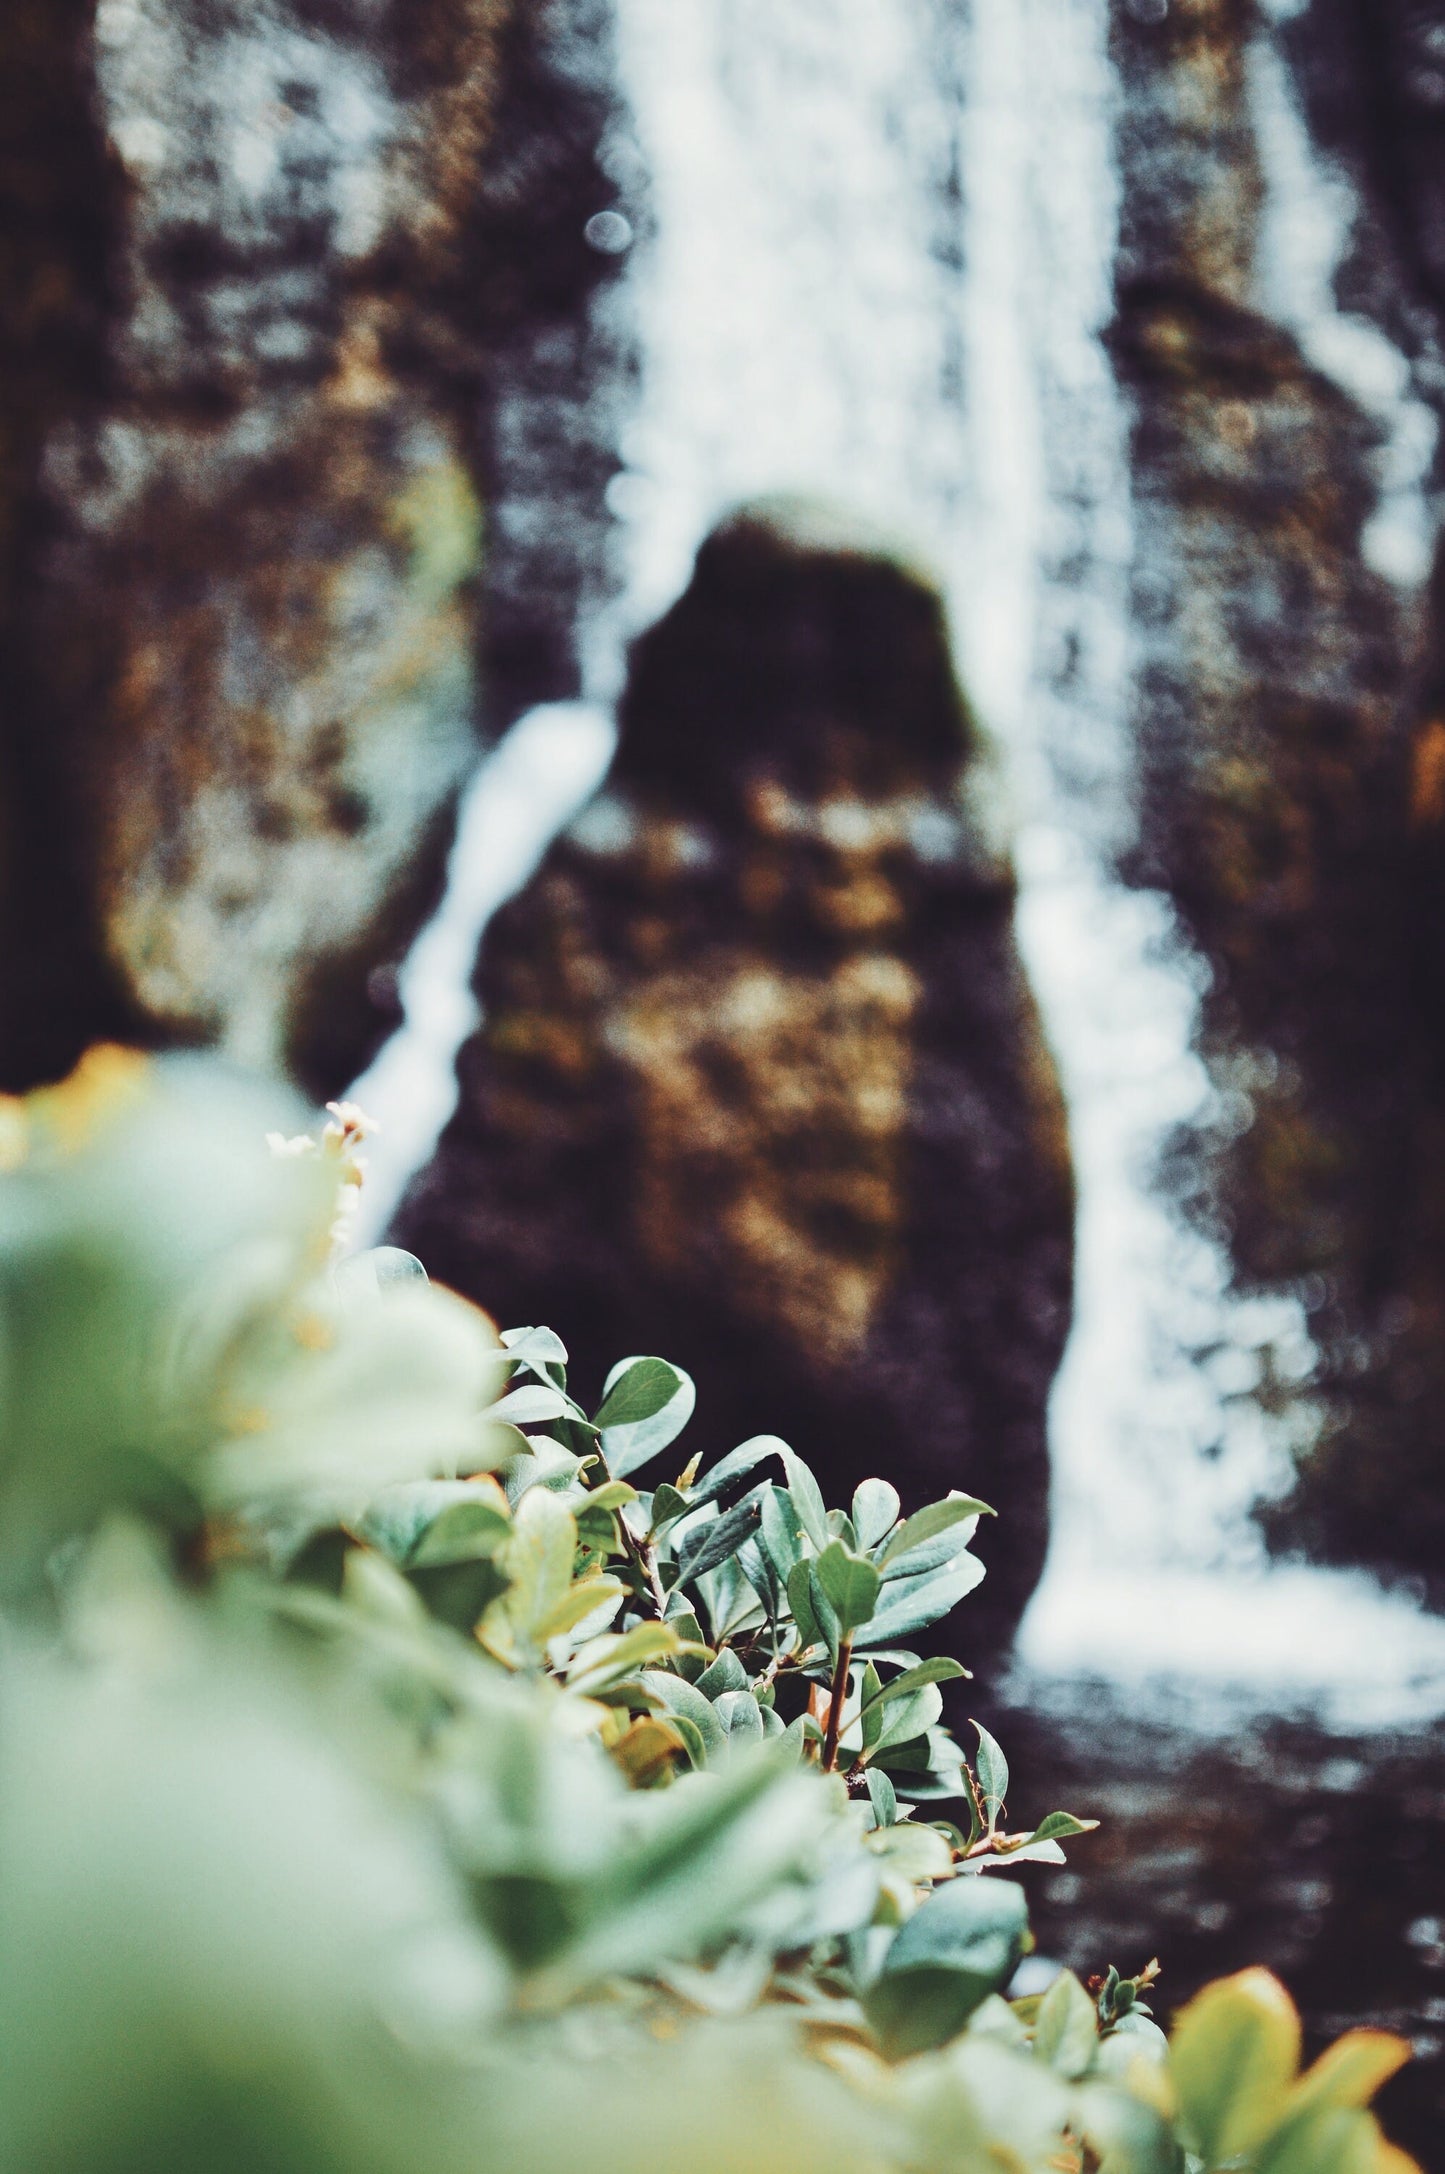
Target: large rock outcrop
265 271
760 1085
1280 630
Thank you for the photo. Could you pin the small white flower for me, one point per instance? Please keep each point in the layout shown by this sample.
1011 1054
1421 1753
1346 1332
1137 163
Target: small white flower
353 1119
291 1150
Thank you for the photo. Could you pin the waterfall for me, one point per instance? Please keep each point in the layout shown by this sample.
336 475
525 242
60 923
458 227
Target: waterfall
878 269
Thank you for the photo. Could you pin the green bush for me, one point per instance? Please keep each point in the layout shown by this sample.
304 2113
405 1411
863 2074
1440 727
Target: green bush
397 1771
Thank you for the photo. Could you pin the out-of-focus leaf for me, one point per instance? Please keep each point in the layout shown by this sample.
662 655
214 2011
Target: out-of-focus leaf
1351 2071
961 1945
680 1697
430 1522
1330 2140
1129 2135
598 1597
1066 2029
1234 2054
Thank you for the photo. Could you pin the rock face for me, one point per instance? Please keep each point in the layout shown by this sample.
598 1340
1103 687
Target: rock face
262 263
1280 624
761 1086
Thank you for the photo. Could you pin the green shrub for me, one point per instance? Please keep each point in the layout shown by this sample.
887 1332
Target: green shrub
401 1767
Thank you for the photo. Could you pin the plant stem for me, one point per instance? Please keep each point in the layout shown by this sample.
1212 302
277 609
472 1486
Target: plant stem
835 1705
645 1556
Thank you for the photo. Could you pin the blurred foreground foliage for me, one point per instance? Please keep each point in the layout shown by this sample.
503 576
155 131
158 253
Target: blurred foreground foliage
391 1778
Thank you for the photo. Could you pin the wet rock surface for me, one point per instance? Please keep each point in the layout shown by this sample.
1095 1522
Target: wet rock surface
1280 635
253 312
760 1084
1259 1840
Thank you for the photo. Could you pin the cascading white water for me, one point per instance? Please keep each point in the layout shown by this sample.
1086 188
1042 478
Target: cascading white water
546 768
881 261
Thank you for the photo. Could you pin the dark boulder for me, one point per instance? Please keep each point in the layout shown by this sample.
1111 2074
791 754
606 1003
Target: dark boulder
761 1086
269 278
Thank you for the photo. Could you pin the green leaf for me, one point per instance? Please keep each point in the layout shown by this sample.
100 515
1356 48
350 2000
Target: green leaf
614 1654
938 1670
930 1555
539 1349
538 1559
1351 2071
611 1495
1066 2029
466 1533
850 1583
732 1605
913 1603
459 1594
935 1518
589 1596
992 1769
960 1946
1331 2140
823 1614
740 1714
530 1405
692 1739
437 1521
781 1533
875 1511
1059 1825
726 1673
1233 2055
745 1458
544 1463
377 1589
680 1697
1127 2135
882 1796
667 1506
760 1575
800 1600
705 1546
646 1404
1024 1850
912 1715
870 1712
807 1498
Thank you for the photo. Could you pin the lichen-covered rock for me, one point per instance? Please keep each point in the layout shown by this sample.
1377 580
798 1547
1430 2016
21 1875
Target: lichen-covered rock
761 1085
251 269
1278 631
